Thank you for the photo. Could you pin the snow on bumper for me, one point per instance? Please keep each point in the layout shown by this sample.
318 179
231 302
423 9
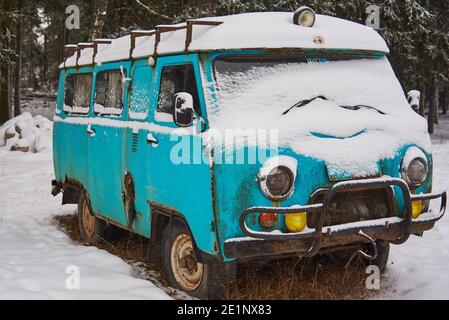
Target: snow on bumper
310 241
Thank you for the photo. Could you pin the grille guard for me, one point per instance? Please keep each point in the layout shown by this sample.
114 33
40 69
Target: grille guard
405 223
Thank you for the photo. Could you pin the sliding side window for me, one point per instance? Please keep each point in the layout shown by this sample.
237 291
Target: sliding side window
77 93
140 92
109 93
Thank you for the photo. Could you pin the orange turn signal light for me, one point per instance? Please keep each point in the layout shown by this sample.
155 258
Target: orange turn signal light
267 220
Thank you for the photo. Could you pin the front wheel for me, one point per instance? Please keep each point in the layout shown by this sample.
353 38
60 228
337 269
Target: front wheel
184 272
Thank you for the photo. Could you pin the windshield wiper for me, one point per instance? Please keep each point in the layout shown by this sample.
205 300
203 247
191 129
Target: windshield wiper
360 106
302 103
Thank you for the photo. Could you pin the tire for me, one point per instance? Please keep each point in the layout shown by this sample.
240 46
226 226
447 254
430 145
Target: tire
383 252
91 228
183 272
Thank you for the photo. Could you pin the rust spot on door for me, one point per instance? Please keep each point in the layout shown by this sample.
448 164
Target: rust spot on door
129 199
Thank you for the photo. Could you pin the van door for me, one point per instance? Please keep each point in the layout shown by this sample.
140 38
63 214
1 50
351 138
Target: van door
73 141
105 143
135 192
180 179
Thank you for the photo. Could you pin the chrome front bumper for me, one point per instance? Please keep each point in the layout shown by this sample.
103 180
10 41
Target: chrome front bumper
310 241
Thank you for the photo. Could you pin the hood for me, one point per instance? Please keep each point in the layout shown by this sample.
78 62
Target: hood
351 143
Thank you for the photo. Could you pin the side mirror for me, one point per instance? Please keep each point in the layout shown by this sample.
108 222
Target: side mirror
413 98
184 112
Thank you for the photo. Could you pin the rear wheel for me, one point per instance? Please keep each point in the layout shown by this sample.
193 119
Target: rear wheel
184 272
91 228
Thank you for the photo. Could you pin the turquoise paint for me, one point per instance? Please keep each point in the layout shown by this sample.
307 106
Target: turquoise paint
135 148
70 141
186 184
237 187
325 136
106 172
109 155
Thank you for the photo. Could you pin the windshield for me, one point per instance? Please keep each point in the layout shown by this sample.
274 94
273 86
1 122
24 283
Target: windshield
330 110
251 92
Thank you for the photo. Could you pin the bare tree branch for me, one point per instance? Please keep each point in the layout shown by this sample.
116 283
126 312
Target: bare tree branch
153 12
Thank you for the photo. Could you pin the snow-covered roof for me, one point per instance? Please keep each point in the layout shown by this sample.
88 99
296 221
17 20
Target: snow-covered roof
274 30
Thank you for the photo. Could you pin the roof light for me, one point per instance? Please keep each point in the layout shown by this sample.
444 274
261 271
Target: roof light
304 16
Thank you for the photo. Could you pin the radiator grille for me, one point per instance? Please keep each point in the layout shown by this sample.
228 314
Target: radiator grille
354 206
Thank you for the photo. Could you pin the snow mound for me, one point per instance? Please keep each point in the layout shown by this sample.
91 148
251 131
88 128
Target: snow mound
37 260
27 133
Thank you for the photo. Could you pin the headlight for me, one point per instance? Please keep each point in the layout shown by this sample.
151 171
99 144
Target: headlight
279 182
416 172
277 177
414 167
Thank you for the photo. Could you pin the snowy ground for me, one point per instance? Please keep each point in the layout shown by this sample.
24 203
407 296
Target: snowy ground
420 268
35 255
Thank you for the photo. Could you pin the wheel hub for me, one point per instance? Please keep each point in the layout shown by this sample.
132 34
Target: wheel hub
186 269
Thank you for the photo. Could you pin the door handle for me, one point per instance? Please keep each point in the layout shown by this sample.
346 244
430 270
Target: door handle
152 140
91 132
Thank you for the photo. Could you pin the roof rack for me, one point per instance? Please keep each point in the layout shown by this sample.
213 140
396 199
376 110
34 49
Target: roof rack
96 43
191 23
136 34
189 31
69 49
81 46
160 29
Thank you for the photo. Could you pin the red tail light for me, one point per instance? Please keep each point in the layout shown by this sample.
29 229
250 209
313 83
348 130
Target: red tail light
267 220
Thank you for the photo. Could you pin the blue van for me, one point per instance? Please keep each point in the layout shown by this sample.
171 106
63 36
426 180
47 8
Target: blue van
251 136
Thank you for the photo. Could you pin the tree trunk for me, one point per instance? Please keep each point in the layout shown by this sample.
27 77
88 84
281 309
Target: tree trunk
437 102
10 92
4 99
445 99
432 107
100 8
4 64
18 66
422 102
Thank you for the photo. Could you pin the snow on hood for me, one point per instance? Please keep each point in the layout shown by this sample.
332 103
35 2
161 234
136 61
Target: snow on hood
351 142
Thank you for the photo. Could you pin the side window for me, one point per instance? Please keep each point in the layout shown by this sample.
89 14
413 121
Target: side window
77 93
139 101
109 93
176 79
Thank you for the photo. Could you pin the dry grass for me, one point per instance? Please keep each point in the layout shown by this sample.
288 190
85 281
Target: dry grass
130 247
319 278
295 278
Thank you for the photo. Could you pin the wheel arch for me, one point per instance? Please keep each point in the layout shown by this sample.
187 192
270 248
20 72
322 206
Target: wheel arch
163 217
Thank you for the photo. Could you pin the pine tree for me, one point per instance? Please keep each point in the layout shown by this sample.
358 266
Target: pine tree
7 57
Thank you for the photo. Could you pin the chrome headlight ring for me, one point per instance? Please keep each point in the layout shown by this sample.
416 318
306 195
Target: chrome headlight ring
414 167
277 177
